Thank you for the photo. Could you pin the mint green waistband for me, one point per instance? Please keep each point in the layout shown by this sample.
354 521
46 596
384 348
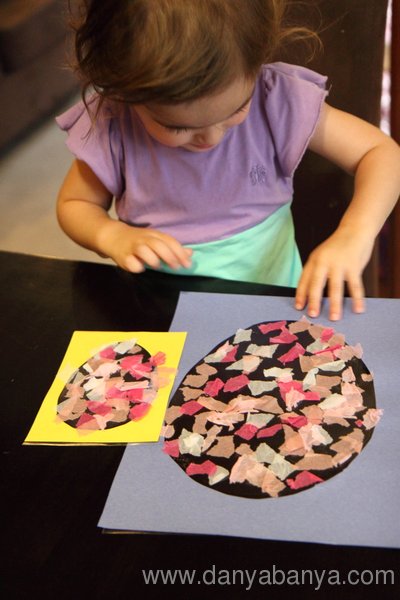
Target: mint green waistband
265 253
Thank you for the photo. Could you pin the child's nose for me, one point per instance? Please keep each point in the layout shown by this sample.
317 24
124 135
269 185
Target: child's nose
210 135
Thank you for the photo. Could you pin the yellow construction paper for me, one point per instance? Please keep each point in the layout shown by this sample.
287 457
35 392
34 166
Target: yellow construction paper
49 429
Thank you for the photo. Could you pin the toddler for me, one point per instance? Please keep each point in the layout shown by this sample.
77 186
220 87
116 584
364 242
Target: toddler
196 132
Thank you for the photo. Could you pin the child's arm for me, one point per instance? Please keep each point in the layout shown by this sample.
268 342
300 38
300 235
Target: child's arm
374 158
82 211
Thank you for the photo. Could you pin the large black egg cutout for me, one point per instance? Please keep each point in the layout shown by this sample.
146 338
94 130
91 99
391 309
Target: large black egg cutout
238 372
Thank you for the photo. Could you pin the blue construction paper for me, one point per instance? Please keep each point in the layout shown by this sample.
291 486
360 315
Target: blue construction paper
359 506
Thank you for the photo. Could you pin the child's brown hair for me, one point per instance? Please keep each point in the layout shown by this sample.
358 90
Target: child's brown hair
173 51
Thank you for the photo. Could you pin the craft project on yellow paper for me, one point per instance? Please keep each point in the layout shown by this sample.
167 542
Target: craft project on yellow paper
111 387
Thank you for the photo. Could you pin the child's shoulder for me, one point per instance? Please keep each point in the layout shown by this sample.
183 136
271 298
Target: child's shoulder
93 111
291 98
290 75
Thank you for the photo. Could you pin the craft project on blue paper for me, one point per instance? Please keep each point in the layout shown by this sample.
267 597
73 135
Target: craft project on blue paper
275 409
345 508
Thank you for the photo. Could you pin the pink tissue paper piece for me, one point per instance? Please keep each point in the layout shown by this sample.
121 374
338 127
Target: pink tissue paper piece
205 468
303 479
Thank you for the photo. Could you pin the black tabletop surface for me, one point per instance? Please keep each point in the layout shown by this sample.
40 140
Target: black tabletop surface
52 497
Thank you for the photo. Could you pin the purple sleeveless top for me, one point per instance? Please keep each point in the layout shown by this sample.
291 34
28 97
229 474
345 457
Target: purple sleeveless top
202 197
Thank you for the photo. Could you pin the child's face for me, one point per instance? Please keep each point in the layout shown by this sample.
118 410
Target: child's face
200 125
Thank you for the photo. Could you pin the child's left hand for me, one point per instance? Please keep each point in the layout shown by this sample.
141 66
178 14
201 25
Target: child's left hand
373 157
340 259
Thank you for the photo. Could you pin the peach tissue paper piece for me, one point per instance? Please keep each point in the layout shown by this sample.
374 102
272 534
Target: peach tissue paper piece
112 387
275 409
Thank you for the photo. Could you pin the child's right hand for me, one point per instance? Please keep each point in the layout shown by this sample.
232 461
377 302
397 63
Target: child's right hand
82 210
132 248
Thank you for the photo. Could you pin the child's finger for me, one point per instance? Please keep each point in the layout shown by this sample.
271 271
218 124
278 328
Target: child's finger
315 290
310 289
148 255
335 294
181 255
301 292
357 293
169 251
133 264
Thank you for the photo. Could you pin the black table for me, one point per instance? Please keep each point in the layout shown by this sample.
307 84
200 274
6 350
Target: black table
53 496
